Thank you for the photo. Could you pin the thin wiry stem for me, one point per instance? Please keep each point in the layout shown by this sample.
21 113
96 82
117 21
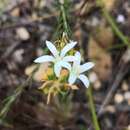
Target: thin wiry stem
11 99
64 17
111 21
63 20
92 109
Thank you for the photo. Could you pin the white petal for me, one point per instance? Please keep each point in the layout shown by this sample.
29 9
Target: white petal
57 69
84 79
67 48
65 65
78 55
86 67
77 59
45 58
72 78
69 58
52 48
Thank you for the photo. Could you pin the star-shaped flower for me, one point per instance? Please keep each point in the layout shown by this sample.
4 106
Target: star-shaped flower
77 70
58 58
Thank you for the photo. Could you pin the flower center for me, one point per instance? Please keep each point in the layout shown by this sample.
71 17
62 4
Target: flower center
58 58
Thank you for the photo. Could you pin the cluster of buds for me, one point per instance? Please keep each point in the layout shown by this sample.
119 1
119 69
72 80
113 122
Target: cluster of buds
65 68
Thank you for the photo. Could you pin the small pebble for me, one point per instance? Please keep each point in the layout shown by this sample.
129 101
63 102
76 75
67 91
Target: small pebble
125 86
93 77
126 57
39 52
15 12
30 69
128 128
127 95
97 85
118 98
110 108
128 102
120 18
23 33
18 55
95 22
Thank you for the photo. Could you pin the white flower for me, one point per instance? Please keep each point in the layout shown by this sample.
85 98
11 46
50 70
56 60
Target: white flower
59 59
77 70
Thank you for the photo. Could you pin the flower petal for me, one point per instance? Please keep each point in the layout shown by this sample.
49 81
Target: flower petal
77 58
65 65
45 58
52 48
86 67
72 78
69 58
57 69
84 79
67 48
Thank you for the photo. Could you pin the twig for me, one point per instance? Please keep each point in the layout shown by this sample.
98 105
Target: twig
29 23
17 5
11 99
122 71
123 68
9 51
120 75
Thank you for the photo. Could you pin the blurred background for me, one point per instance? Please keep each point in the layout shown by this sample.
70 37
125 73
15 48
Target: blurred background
102 29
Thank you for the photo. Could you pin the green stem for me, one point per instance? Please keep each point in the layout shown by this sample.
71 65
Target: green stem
114 26
9 102
64 17
92 109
